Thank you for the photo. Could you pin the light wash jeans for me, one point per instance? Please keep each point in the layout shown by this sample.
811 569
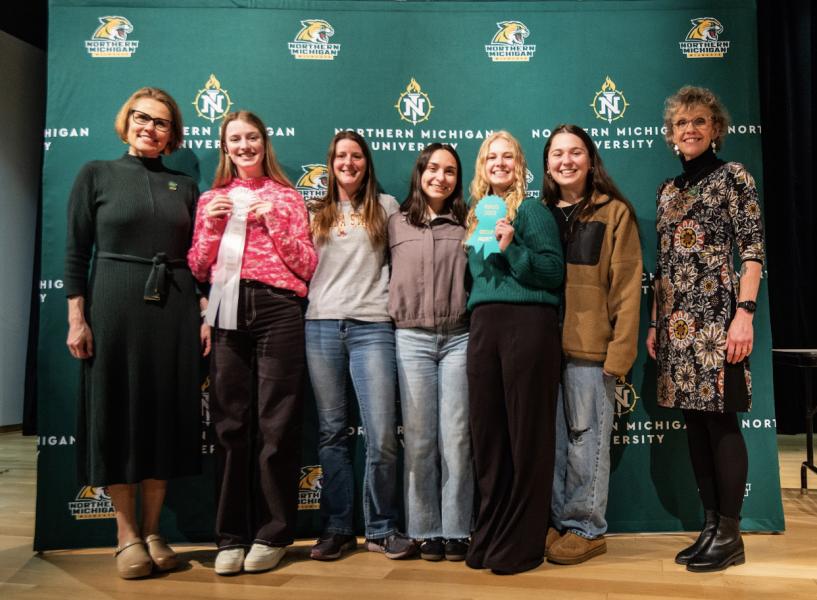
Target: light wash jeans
334 349
439 480
584 423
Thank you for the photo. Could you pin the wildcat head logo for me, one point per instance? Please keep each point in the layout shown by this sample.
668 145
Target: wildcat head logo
511 32
530 193
414 105
508 44
702 40
609 103
312 184
212 102
312 41
705 29
113 28
91 503
111 38
309 488
316 31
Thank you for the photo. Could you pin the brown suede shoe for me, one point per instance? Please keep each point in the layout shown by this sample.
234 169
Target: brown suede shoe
552 537
132 561
162 555
572 549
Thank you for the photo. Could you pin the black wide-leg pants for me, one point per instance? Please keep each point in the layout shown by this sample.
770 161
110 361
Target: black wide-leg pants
256 405
514 358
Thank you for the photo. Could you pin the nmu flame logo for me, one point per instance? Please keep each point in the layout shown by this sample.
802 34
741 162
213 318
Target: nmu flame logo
414 105
609 103
212 102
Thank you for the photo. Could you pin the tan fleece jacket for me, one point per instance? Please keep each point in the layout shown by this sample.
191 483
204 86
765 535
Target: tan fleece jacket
603 288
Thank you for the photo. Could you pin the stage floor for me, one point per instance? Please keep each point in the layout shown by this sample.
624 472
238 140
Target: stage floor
635 566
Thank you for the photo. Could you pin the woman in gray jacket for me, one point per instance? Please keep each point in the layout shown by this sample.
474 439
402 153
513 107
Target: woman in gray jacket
427 303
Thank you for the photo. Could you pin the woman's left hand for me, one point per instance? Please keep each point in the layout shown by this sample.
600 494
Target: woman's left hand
260 207
504 234
740 337
204 336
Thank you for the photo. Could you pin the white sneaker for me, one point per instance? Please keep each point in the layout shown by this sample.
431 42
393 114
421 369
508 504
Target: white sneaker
263 558
229 561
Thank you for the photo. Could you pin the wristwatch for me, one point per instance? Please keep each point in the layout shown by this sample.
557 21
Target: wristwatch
748 305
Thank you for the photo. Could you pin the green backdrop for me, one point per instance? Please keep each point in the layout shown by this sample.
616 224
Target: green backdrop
404 74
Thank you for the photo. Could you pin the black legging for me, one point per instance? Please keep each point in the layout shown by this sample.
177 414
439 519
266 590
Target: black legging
719 459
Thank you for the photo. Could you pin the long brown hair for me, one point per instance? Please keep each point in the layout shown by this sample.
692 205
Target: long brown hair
326 209
416 203
481 188
226 170
597 181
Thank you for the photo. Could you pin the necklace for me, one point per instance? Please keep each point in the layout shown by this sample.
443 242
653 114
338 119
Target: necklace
567 215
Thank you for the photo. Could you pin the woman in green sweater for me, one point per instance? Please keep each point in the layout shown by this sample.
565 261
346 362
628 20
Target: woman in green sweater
513 363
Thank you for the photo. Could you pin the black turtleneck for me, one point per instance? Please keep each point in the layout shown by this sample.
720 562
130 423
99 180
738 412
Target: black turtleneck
697 168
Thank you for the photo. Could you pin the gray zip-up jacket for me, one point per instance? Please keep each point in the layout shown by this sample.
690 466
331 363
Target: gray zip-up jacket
428 268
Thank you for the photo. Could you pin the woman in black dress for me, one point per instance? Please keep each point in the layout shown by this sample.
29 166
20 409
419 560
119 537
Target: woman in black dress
134 323
701 331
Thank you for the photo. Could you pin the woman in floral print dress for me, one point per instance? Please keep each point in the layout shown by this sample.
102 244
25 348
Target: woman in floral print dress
701 334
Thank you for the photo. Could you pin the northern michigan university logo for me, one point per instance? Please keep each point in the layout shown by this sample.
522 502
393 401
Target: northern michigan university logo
312 41
702 41
508 44
313 183
91 503
609 103
414 105
626 397
309 488
212 102
110 40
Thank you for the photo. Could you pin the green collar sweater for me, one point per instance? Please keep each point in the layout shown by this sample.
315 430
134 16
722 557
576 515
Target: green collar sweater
529 271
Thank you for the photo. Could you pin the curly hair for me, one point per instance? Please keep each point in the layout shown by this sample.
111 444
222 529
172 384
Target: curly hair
690 96
480 187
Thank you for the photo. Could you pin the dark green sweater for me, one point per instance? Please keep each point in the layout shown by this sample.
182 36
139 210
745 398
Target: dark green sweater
531 268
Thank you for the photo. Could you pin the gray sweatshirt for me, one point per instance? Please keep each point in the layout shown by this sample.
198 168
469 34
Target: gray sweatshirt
352 278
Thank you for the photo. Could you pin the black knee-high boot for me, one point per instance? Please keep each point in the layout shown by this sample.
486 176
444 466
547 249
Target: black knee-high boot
707 533
724 550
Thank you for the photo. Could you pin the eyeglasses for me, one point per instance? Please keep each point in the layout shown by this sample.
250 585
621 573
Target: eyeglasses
142 118
697 123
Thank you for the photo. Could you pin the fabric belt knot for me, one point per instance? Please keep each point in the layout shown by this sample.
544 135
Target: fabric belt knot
158 278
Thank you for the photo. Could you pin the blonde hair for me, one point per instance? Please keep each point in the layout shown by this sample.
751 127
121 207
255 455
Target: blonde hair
480 187
122 121
226 170
689 97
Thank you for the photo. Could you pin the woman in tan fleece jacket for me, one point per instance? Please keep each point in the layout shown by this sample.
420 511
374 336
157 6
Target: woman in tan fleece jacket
599 335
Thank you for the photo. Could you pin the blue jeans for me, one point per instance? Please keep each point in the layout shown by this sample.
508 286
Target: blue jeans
584 423
335 349
439 480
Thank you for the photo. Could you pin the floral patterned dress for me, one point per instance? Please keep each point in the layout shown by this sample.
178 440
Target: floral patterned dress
699 225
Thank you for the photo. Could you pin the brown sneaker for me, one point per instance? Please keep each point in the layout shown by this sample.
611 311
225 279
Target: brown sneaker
552 537
572 549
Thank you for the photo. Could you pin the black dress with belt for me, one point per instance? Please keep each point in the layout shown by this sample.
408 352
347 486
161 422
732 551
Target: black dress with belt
131 220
